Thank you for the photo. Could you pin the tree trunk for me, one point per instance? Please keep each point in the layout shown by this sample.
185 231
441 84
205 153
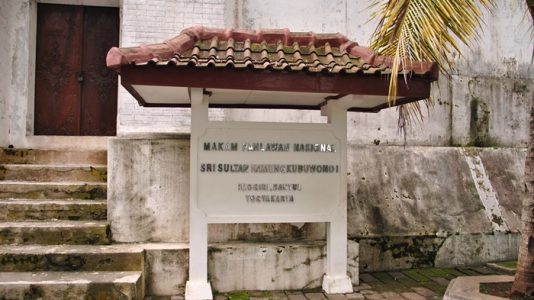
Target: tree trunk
524 276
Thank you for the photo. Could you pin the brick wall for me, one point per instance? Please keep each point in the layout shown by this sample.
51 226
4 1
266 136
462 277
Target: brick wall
147 22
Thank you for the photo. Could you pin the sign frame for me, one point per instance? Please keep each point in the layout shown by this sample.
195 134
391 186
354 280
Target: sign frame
335 279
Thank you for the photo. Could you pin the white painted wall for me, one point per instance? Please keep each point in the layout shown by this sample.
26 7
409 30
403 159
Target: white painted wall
146 22
447 122
497 70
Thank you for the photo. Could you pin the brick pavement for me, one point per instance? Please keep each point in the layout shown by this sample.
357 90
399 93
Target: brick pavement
413 284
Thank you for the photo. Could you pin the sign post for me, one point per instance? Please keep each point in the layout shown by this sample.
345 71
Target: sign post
256 172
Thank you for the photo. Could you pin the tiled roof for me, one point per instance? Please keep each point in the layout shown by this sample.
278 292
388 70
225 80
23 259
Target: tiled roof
266 49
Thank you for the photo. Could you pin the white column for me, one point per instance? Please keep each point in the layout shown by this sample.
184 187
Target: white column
336 279
197 287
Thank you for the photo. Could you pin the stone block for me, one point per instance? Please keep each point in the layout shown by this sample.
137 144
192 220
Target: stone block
149 189
166 267
396 191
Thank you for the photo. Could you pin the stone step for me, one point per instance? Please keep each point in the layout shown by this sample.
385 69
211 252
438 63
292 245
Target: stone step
54 232
52 190
33 258
91 173
71 285
38 156
18 210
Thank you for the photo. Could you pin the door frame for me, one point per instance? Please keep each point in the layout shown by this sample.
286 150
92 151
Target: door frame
32 48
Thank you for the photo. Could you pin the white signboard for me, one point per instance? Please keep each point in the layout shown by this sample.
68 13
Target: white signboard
268 174
252 172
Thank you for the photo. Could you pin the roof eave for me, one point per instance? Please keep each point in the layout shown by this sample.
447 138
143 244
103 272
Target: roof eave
413 89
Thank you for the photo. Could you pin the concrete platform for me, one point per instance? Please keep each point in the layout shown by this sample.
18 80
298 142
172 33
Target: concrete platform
468 288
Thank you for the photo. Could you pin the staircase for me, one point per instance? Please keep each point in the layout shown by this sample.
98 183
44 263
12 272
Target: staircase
54 237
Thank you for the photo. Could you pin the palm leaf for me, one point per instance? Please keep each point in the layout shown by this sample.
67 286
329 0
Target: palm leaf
412 31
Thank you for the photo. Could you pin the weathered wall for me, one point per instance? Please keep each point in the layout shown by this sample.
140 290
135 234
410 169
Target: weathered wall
148 180
413 206
15 71
496 73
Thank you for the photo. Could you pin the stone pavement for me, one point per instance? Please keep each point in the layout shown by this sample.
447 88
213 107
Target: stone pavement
413 284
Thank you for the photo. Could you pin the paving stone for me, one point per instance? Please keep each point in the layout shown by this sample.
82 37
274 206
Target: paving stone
177 297
414 275
362 286
389 282
424 291
484 270
366 277
396 275
412 296
258 298
374 297
435 287
441 281
368 292
392 296
355 296
220 297
468 271
315 296
336 297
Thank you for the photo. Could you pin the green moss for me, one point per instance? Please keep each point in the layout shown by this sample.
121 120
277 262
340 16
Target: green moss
239 295
255 47
418 251
508 264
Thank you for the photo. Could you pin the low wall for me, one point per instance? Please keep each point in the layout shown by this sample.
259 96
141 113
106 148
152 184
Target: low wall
407 206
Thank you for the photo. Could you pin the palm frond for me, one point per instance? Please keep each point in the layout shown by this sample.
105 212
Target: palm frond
412 31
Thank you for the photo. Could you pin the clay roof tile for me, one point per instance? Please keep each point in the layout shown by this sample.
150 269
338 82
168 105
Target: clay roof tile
263 49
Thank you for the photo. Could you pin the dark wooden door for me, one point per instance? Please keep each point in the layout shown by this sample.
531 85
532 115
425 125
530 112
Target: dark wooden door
75 94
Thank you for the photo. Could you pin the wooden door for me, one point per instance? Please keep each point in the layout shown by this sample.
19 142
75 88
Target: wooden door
75 93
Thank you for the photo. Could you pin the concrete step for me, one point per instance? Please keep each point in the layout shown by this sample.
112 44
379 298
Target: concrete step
54 232
37 156
35 209
33 258
91 173
71 285
52 190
